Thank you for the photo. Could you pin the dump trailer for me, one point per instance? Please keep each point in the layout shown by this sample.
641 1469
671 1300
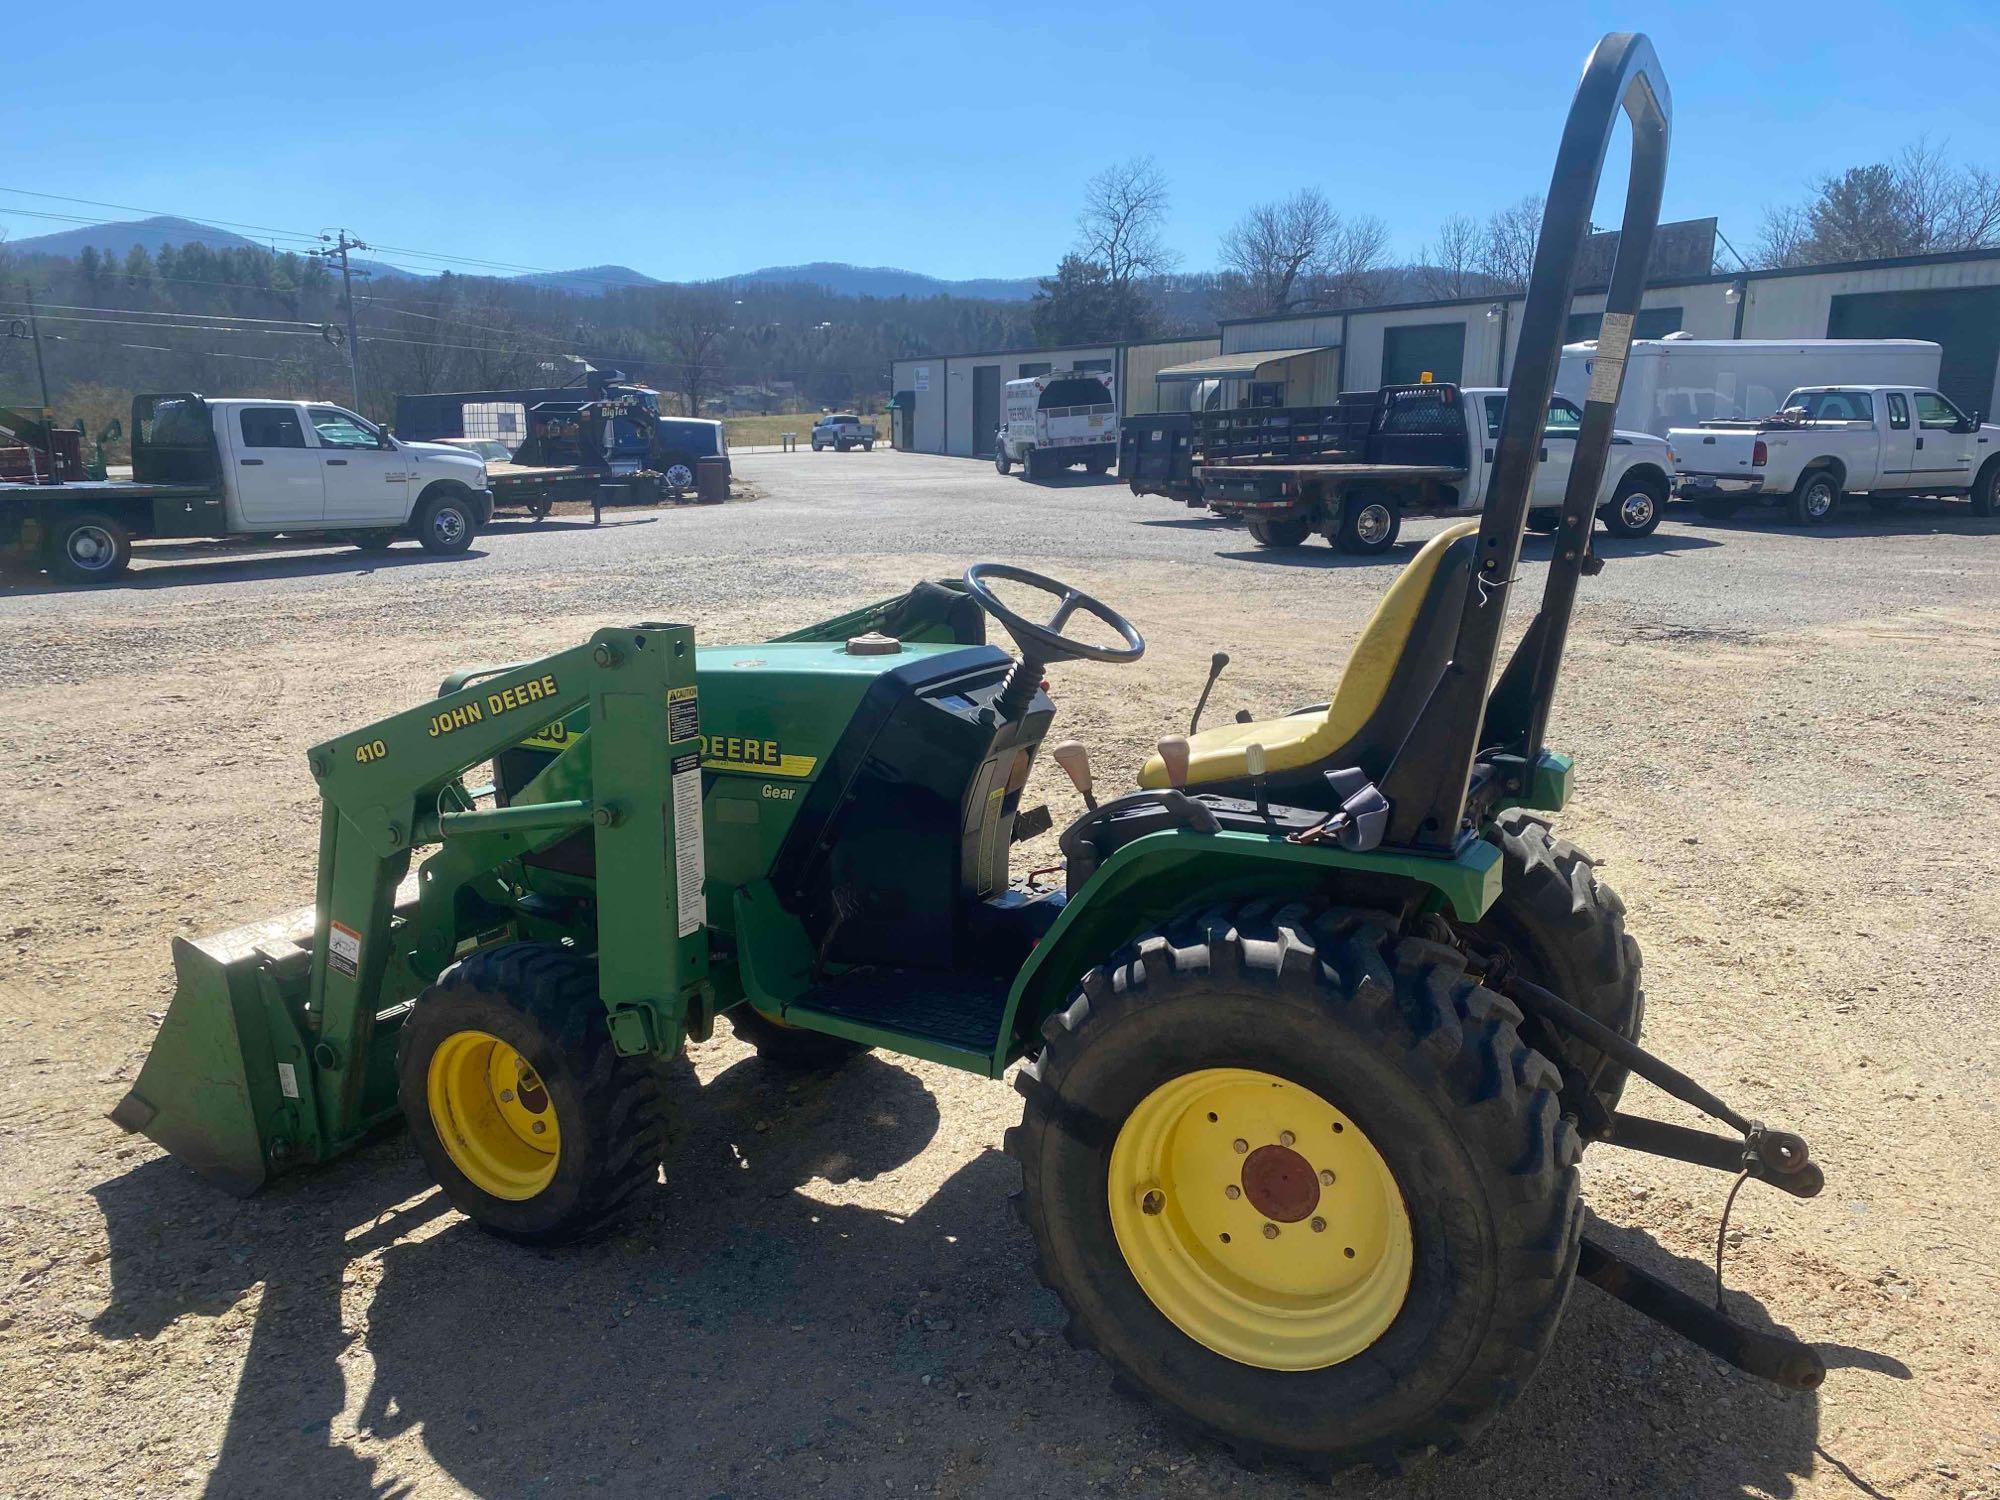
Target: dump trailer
1311 1032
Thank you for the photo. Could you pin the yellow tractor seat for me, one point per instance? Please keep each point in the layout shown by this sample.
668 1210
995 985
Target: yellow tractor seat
1396 663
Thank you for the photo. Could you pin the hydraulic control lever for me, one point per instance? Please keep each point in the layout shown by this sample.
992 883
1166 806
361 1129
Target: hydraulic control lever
1215 665
1075 762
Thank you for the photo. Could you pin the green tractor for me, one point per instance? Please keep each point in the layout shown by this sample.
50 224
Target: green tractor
1311 1039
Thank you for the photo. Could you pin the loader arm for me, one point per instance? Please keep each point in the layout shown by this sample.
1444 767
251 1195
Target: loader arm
277 1049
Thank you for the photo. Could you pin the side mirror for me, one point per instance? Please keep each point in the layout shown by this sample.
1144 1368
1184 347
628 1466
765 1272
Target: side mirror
113 431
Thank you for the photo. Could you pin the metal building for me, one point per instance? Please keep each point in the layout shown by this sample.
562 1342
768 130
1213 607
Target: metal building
950 403
1307 359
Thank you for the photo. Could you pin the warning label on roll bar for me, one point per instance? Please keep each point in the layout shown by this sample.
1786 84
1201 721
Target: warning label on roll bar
689 864
1607 371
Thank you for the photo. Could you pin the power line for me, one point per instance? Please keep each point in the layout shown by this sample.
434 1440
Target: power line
151 213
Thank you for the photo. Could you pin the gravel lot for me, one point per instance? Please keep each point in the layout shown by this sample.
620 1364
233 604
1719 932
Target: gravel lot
1786 743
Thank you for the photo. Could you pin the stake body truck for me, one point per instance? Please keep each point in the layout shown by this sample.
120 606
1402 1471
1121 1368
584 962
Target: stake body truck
248 467
1352 471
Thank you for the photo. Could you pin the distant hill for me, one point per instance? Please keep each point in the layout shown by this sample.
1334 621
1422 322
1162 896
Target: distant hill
837 276
888 281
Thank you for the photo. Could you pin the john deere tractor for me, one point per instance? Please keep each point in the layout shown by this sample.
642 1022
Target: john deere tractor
1311 1037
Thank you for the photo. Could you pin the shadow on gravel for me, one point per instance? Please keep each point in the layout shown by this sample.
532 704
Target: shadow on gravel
746 1338
1916 517
190 565
1318 554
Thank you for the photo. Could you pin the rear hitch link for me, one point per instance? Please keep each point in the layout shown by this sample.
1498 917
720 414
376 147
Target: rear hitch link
1778 1157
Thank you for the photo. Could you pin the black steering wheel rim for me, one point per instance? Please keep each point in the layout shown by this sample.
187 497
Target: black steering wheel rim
1046 642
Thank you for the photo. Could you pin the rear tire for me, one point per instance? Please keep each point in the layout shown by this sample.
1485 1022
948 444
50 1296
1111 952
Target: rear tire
1458 1112
791 1046
534 1009
1816 498
447 521
89 547
1564 929
1287 533
1369 525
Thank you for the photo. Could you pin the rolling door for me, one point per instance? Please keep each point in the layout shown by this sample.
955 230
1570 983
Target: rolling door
1965 320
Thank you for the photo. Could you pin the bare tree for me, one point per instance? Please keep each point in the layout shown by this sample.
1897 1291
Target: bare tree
693 321
1301 253
1923 201
1507 250
1449 265
1124 211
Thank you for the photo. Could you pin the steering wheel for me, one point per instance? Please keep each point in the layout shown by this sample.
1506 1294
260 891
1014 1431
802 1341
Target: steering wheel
1047 643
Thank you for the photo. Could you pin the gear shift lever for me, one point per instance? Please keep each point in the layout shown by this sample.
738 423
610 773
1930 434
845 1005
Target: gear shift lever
1075 761
1173 750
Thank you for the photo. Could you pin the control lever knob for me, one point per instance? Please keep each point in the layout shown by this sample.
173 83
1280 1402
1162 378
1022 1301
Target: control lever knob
1075 761
1173 750
1255 762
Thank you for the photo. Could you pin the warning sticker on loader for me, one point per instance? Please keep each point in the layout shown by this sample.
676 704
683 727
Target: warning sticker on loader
1614 342
689 861
683 717
343 950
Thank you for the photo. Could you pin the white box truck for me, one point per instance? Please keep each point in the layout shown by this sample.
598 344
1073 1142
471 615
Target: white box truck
1680 381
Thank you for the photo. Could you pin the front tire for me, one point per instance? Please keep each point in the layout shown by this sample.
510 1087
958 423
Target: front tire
90 547
1816 498
1635 509
1286 533
1986 490
1001 460
1407 1095
514 1038
447 521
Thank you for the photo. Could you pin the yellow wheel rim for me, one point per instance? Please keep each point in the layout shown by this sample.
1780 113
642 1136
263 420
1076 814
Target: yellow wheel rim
1259 1219
493 1115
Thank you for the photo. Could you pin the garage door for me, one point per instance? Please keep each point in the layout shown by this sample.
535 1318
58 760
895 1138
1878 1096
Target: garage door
1408 352
1965 320
985 409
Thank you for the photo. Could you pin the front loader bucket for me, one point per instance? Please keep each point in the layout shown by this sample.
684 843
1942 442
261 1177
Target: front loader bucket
221 1086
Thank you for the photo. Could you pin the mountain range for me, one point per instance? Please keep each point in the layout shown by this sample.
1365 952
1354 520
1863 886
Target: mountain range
837 276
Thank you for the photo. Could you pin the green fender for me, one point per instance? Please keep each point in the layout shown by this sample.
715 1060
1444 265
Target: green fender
1151 879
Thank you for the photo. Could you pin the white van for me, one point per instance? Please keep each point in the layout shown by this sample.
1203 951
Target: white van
1680 381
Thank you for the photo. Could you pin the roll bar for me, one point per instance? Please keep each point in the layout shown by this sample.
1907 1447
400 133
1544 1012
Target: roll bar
1428 783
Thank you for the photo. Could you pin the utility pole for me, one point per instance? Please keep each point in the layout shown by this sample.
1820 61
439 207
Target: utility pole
338 249
41 375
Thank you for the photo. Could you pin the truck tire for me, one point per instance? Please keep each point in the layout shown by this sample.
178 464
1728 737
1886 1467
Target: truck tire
791 1046
678 471
1815 499
1635 508
88 547
1001 460
1564 929
1716 509
868 447
1031 463
1986 490
512 1038
1369 525
1097 465
817 445
1286 533
1423 1155
447 520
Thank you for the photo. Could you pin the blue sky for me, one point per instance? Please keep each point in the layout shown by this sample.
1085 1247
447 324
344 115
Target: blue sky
942 139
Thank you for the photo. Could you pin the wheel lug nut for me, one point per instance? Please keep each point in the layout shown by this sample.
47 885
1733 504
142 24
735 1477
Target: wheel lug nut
1152 1203
1270 1231
1319 1226
1285 1138
1326 1177
539 1127
1241 1145
506 1096
1232 1191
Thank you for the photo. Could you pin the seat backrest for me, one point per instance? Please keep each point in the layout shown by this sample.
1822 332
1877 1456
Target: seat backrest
1403 650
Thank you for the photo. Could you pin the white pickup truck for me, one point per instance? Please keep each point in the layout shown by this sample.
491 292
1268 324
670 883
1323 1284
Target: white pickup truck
841 431
1883 441
1352 471
248 467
